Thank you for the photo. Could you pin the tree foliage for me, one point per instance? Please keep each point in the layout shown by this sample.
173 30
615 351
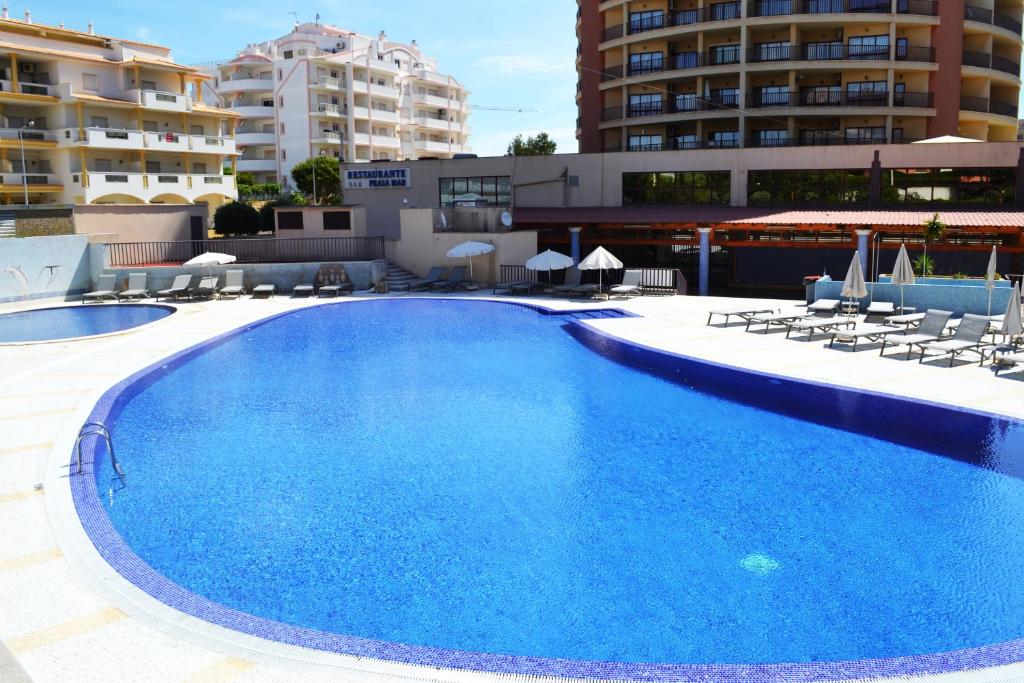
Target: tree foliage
236 218
933 229
538 145
267 210
328 179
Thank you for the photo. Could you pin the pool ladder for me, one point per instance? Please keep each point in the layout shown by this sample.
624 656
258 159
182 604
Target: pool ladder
97 429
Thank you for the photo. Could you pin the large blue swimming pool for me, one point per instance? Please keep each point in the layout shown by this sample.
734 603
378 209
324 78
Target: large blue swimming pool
474 476
69 322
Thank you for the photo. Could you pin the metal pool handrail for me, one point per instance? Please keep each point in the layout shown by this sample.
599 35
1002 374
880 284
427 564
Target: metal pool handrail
97 429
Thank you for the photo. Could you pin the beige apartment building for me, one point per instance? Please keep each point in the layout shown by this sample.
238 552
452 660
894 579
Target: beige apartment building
92 119
322 90
691 74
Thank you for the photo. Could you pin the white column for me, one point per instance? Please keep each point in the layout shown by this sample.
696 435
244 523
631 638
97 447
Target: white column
704 278
862 251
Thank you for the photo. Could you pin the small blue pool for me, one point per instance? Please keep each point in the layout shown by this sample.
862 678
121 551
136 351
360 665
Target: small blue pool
481 485
70 322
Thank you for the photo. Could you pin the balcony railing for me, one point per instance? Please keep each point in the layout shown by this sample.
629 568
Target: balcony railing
924 100
677 104
838 52
261 250
677 61
987 61
817 98
987 106
776 8
987 16
722 11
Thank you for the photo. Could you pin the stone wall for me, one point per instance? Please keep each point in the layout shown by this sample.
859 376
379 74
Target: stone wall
44 223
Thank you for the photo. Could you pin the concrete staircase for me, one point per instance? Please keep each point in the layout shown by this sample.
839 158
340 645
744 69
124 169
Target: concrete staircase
6 224
399 278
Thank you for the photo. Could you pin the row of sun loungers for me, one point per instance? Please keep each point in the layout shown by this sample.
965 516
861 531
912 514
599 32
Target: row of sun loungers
327 283
936 335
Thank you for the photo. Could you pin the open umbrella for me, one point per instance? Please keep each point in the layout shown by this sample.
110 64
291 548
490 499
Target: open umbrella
600 259
210 258
853 285
903 271
469 250
1012 326
548 261
990 277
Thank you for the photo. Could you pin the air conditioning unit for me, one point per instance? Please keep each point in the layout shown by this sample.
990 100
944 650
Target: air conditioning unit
340 45
28 68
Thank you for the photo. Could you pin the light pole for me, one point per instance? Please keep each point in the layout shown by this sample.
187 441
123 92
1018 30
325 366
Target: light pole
24 171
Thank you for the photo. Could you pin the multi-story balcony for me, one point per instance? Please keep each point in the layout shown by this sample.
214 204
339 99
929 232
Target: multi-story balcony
251 139
257 165
835 97
982 15
389 141
326 137
384 91
253 111
679 104
159 100
36 182
436 147
333 110
984 60
247 84
328 83
437 123
431 77
435 101
984 105
118 138
148 186
23 88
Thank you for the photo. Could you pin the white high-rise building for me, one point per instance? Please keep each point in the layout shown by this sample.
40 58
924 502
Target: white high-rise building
321 90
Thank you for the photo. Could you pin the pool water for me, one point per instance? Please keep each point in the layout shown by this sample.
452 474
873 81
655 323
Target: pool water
468 475
69 322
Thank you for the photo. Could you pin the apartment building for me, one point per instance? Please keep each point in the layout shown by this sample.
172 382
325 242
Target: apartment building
322 90
691 74
91 119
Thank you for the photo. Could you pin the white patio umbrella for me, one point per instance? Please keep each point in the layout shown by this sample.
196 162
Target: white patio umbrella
1012 326
548 261
903 271
469 250
853 285
210 258
990 277
600 259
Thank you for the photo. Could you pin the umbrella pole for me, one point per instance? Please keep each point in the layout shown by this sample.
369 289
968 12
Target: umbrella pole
990 301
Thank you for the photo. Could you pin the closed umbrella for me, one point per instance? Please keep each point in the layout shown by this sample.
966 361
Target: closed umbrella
210 258
548 261
1012 326
903 271
469 250
990 277
853 285
600 259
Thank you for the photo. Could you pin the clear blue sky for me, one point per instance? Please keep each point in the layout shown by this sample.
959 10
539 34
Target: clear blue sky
520 53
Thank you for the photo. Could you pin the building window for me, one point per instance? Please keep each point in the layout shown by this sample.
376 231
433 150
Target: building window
99 122
948 185
288 54
280 74
687 141
289 220
645 63
724 138
280 101
199 167
284 155
772 52
807 187
337 220
476 191
282 129
645 105
772 96
867 93
91 82
869 47
680 187
771 138
645 143
646 21
831 49
865 134
725 54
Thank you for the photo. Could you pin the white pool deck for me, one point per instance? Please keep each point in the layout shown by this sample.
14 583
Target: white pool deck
66 616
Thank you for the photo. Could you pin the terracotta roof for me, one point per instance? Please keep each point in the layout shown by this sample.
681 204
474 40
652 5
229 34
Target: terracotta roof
63 54
757 216
104 100
156 61
64 31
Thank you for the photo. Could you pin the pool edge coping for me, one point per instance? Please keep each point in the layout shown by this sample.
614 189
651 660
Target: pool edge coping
138 328
242 639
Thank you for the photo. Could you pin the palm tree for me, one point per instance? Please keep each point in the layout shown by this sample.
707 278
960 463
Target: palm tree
932 229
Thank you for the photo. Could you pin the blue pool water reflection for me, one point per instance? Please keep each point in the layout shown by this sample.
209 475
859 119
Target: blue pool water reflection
68 322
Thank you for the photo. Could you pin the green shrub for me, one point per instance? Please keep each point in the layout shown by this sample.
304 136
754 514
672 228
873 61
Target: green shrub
236 218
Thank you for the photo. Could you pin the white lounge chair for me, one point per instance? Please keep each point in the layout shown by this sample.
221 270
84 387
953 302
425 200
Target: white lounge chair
743 313
824 307
908 320
104 289
573 279
181 286
207 287
264 290
630 284
780 318
968 338
136 287
932 328
816 325
1007 358
870 332
233 283
879 310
